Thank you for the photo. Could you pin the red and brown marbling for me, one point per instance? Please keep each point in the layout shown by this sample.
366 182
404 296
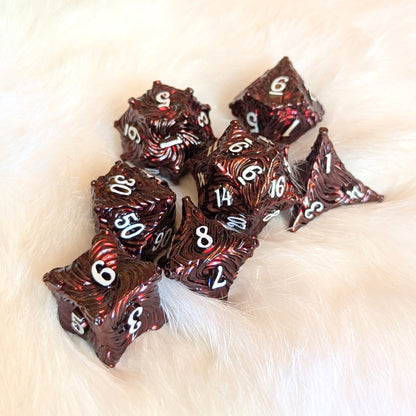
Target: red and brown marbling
277 105
326 183
107 298
137 207
204 255
165 129
243 180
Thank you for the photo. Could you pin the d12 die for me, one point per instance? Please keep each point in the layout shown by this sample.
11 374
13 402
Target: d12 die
137 207
107 298
164 129
277 105
243 180
204 255
326 183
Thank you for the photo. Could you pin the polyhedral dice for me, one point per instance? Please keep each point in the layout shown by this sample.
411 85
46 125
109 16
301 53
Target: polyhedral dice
107 298
243 180
164 129
137 207
204 255
326 183
277 105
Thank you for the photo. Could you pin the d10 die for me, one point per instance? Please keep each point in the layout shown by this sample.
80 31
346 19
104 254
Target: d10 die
205 256
137 207
326 183
277 105
107 298
243 180
164 129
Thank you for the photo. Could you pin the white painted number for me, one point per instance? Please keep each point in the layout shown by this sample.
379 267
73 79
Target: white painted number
271 215
132 133
162 239
204 239
315 207
328 162
201 179
101 274
278 85
291 128
203 119
277 187
122 186
163 99
249 174
130 225
217 283
252 121
76 323
236 222
176 140
239 146
223 197
355 193
133 322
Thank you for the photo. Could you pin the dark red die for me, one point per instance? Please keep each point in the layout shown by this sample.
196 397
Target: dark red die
137 207
107 298
326 183
164 129
243 180
204 255
277 105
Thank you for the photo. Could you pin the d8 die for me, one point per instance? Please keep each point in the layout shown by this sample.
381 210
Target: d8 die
326 184
164 129
204 255
107 298
244 181
277 105
137 207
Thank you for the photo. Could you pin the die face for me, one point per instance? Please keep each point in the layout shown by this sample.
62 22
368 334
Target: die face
204 255
106 297
277 105
244 180
327 184
137 207
164 129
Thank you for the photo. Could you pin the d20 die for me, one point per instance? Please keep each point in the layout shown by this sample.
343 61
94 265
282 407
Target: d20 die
164 129
204 255
107 298
277 105
327 184
137 207
243 180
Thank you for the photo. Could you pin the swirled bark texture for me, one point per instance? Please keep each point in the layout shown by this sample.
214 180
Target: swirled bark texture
243 180
278 105
164 129
204 255
107 298
327 183
137 207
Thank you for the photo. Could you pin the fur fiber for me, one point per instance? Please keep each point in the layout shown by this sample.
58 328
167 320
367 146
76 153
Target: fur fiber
319 322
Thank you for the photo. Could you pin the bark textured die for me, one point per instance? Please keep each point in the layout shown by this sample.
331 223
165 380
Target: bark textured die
137 207
326 183
243 180
277 105
107 298
164 129
205 256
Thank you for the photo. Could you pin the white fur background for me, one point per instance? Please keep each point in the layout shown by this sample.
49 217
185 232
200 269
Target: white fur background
320 322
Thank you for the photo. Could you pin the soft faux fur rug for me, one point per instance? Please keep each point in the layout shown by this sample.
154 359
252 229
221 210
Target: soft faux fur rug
318 322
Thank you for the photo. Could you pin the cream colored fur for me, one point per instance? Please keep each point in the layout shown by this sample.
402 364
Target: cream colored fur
320 322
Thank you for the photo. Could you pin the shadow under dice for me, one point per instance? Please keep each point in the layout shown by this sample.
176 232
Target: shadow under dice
107 298
326 184
164 129
204 255
137 207
244 181
277 105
